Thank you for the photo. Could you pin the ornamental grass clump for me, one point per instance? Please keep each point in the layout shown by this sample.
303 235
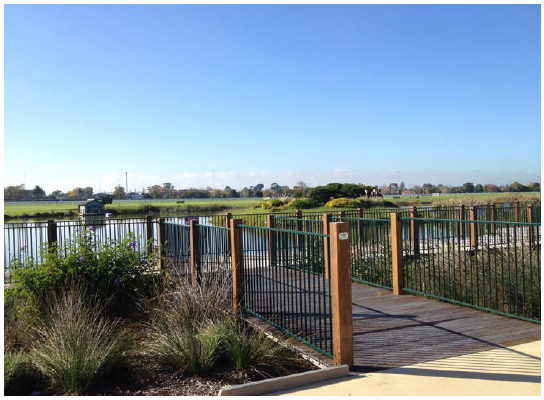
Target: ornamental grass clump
187 324
78 345
19 373
247 348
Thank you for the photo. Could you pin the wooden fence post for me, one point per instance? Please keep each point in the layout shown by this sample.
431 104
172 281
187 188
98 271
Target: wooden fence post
473 229
271 240
360 223
237 266
531 228
462 224
342 324
195 253
414 231
396 248
327 243
149 233
52 235
161 243
299 228
516 211
228 217
492 218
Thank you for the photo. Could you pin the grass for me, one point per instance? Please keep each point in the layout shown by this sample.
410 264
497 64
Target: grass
241 206
79 344
18 372
192 330
466 198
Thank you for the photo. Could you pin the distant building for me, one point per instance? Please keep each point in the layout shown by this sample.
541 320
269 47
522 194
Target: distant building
92 207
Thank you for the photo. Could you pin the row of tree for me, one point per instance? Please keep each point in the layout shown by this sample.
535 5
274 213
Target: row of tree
467 187
319 193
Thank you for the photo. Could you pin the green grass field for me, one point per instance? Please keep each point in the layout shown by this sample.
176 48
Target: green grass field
244 206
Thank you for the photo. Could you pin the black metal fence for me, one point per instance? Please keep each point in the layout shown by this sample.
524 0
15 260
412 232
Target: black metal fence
284 283
494 266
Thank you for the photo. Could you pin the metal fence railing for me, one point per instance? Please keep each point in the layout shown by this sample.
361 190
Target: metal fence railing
214 256
284 283
370 250
177 248
494 266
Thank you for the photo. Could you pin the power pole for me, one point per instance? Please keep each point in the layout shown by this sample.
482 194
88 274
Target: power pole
126 183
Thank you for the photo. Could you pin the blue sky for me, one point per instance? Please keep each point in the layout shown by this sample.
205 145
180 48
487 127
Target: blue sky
262 94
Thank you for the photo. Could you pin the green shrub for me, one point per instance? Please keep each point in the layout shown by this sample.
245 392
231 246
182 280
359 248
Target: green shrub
269 204
18 373
343 203
301 204
79 345
187 324
20 317
117 272
191 351
247 348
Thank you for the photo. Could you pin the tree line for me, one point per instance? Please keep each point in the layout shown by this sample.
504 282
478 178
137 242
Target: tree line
301 189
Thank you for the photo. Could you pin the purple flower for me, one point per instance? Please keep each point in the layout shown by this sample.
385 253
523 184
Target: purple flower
154 246
112 241
117 281
91 228
133 244
81 258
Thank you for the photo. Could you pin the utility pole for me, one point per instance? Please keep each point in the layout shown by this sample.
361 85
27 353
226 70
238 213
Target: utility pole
213 174
398 183
126 183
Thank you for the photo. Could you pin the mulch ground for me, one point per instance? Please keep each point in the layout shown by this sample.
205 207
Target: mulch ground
140 377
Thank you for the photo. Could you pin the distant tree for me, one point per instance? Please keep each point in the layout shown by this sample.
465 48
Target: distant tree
534 186
15 192
301 185
468 187
168 185
119 192
38 192
479 188
245 192
87 192
275 188
489 188
417 189
57 194
107 199
517 187
154 191
402 187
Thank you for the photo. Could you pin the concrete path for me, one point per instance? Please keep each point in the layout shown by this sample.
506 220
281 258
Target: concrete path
506 371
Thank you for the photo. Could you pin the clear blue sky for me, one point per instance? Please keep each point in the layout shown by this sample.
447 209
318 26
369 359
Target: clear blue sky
443 94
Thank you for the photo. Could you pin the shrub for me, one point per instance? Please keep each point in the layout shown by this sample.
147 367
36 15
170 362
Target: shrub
20 318
187 324
117 272
343 203
247 348
79 345
269 204
18 373
301 204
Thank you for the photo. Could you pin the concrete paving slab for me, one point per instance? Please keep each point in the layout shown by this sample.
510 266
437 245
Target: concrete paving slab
505 371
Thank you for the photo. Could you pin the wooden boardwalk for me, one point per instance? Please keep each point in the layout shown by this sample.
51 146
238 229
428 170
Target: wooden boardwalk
389 331
393 331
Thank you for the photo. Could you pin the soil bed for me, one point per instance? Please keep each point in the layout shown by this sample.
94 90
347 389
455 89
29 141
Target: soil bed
140 377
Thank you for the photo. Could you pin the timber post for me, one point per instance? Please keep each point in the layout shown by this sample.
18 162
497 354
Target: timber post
396 248
342 314
196 274
237 266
